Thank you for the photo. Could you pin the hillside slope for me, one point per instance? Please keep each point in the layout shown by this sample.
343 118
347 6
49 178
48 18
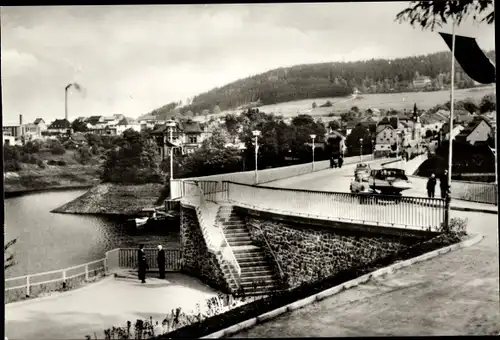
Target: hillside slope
325 80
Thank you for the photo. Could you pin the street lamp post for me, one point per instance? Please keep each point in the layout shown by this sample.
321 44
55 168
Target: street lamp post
360 149
171 125
242 151
313 138
256 134
373 148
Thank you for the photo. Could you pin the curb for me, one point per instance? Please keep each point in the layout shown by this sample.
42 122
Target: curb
337 289
485 211
58 295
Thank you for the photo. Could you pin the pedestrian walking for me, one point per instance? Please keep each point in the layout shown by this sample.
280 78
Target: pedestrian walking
341 161
161 261
143 263
444 185
431 186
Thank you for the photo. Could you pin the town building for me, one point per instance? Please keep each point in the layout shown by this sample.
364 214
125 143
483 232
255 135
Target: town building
58 127
444 133
422 82
478 130
188 135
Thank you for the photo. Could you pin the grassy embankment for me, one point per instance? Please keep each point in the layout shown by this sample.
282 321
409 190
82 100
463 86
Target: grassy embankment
72 174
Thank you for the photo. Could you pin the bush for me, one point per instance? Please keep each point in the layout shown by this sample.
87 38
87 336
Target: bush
456 230
58 150
61 163
52 162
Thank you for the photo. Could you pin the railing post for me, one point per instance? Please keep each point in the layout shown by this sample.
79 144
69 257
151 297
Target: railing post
106 270
86 272
28 285
64 279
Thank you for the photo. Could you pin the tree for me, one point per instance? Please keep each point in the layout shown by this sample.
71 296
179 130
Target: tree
349 117
488 104
352 141
314 105
428 134
8 256
133 161
429 14
469 105
216 109
334 125
79 126
355 109
212 157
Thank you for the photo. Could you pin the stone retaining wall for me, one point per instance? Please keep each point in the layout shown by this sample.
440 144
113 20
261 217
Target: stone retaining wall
307 252
197 260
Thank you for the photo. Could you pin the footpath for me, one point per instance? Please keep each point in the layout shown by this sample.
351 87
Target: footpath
102 305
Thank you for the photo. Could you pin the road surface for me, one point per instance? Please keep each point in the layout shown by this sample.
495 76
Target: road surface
453 294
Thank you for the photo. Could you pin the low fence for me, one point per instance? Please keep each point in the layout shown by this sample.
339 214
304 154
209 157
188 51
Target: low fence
475 192
265 175
128 258
408 212
33 285
19 287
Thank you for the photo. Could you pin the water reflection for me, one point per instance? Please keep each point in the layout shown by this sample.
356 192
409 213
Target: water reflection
48 241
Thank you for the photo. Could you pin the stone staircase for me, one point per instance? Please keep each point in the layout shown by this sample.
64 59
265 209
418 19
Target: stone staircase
257 274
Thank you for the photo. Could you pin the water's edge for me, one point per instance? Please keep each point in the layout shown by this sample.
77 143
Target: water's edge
17 193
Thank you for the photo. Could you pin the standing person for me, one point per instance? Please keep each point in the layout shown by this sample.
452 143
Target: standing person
431 186
443 183
341 160
161 261
142 264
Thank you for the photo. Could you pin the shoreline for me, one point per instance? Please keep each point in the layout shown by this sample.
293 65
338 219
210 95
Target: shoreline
17 193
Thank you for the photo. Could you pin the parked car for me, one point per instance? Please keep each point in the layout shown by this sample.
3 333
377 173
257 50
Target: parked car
363 170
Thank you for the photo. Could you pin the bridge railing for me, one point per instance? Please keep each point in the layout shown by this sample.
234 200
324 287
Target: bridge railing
406 212
265 175
128 258
475 191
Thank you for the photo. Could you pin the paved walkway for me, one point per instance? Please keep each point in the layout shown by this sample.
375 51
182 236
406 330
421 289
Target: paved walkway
454 294
112 302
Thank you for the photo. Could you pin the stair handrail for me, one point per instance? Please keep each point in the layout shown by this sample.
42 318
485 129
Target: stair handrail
282 274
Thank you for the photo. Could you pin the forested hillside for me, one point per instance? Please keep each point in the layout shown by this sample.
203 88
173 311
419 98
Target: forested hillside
325 80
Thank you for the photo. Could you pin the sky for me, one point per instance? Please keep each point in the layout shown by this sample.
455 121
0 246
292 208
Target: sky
133 59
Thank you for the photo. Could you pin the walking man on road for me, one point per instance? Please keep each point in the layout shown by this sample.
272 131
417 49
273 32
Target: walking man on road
431 186
341 160
161 261
444 185
143 264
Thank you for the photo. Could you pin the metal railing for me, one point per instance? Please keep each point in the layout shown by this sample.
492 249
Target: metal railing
85 271
397 211
265 175
128 258
115 259
282 274
475 192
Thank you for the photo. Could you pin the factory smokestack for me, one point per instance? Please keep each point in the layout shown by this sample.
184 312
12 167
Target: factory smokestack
20 119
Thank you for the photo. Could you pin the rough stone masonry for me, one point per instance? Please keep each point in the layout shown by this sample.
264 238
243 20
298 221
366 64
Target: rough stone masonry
197 260
307 252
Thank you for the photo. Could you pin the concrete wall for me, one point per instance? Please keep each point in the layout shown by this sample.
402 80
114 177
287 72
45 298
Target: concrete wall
197 260
307 249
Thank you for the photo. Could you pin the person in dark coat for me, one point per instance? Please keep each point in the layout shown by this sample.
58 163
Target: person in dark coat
161 261
341 160
444 185
431 186
143 264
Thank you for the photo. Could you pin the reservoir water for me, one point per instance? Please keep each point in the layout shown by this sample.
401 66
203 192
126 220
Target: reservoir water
49 241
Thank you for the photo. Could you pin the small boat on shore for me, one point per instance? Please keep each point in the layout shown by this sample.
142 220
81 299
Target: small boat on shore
151 216
141 221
